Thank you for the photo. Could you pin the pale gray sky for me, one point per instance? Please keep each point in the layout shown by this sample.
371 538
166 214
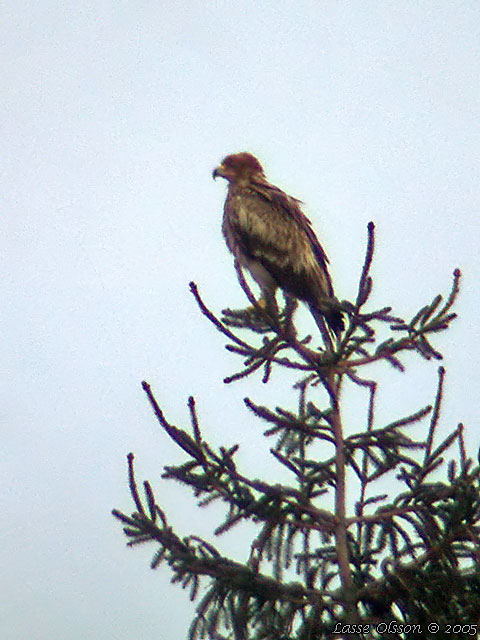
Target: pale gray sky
113 117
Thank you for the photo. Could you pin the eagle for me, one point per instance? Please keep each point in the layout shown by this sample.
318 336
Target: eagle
269 235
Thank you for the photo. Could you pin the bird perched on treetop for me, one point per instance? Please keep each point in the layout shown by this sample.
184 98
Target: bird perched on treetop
268 234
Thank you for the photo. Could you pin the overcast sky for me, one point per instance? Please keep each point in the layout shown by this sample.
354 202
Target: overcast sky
113 116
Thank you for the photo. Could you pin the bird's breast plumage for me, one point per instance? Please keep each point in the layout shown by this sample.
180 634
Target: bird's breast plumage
264 229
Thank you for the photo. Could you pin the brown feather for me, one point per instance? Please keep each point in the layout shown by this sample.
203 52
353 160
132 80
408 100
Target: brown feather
268 233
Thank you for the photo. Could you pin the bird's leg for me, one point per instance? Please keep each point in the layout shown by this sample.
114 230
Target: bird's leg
269 305
262 302
266 305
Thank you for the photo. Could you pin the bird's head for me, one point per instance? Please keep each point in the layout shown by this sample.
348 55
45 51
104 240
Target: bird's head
239 167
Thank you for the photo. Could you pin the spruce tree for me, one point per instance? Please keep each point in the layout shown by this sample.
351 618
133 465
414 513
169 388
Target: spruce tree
321 565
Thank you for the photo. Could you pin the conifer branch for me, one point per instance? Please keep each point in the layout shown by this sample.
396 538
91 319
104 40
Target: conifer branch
381 561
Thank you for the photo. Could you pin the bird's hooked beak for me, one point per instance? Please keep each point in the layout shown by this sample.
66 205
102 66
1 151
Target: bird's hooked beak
218 171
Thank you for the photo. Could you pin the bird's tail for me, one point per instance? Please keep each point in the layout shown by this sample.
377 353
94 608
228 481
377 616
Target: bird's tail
329 318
